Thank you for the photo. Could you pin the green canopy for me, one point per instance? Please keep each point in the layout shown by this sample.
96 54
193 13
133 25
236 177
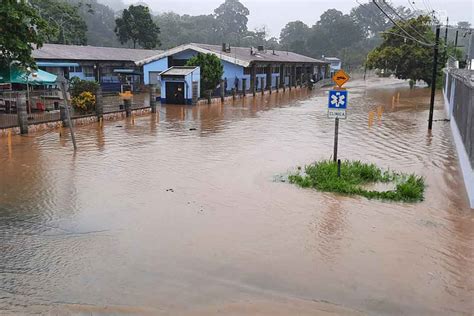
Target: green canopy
36 77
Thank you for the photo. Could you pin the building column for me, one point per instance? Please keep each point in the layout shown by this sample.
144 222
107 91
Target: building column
293 76
222 90
99 104
244 86
127 103
282 75
22 113
153 98
269 77
262 85
253 78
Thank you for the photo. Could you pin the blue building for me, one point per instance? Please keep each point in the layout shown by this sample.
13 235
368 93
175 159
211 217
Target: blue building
335 64
180 85
252 69
114 68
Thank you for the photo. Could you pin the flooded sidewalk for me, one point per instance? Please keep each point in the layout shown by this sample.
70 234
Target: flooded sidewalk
178 213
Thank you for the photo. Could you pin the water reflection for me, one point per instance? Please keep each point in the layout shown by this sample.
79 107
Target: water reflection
152 208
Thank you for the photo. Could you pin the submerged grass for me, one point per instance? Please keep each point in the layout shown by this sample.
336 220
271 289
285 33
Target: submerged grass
322 176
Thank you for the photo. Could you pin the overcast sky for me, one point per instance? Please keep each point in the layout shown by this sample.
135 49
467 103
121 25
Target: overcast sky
276 13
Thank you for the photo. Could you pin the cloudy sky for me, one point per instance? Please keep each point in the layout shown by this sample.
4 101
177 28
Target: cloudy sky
274 14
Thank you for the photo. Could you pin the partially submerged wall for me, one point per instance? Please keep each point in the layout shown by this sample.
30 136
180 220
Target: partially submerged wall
458 91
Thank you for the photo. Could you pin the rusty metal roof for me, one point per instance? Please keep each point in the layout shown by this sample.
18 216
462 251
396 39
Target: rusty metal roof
91 53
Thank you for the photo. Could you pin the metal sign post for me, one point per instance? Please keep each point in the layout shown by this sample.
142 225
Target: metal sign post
62 81
337 105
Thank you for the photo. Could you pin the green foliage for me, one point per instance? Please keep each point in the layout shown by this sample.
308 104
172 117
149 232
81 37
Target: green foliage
78 86
406 58
21 28
84 102
332 33
322 176
136 25
231 18
211 70
100 21
69 27
294 37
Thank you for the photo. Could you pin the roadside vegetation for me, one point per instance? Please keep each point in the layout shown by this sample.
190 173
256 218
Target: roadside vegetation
356 177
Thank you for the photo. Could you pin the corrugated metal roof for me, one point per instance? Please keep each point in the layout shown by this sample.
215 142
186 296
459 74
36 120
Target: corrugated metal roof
238 55
178 71
269 55
92 53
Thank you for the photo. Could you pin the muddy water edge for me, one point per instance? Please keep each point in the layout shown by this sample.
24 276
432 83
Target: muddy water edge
178 213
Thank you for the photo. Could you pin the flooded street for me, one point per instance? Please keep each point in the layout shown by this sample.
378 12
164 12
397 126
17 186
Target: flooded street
179 213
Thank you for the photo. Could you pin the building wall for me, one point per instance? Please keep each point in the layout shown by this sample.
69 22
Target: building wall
232 72
188 86
458 94
156 66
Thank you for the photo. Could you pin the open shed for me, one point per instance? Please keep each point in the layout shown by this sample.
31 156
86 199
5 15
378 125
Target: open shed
180 85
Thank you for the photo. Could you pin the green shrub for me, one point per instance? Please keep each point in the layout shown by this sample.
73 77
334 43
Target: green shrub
322 176
83 94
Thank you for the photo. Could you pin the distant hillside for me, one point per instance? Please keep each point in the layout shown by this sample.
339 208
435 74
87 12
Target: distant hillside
100 22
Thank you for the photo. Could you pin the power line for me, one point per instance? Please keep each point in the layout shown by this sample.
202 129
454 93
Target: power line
401 28
403 19
409 38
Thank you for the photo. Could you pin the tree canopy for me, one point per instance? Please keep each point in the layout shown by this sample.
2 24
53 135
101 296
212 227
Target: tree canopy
404 57
69 27
211 70
21 28
136 25
294 37
231 17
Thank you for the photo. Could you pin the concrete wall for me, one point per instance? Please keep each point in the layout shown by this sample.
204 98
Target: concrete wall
458 94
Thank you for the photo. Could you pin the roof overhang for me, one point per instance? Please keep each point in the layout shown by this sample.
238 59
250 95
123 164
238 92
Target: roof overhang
198 49
57 64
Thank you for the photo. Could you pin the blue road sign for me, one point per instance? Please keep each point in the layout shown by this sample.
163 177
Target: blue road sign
337 99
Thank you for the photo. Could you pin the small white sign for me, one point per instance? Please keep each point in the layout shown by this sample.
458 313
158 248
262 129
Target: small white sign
337 113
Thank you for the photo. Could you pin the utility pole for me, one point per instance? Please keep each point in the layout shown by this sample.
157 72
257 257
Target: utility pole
446 33
456 40
433 78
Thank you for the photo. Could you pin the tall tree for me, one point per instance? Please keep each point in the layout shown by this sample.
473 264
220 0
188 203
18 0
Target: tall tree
294 36
406 58
137 26
333 32
100 21
231 17
69 26
211 70
21 29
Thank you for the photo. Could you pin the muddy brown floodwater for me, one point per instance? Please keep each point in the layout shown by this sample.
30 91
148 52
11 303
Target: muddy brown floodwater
178 214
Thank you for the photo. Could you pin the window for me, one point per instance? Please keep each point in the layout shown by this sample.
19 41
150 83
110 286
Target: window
247 71
276 70
88 71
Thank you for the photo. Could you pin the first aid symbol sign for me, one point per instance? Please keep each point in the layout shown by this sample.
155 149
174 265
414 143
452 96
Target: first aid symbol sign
337 99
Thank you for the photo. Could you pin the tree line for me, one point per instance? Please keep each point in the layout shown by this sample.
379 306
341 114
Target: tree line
347 36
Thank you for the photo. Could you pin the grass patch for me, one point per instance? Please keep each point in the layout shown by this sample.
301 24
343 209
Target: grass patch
322 176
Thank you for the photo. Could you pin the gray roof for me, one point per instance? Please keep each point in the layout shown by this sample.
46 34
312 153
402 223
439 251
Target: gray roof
178 71
92 53
238 55
268 55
